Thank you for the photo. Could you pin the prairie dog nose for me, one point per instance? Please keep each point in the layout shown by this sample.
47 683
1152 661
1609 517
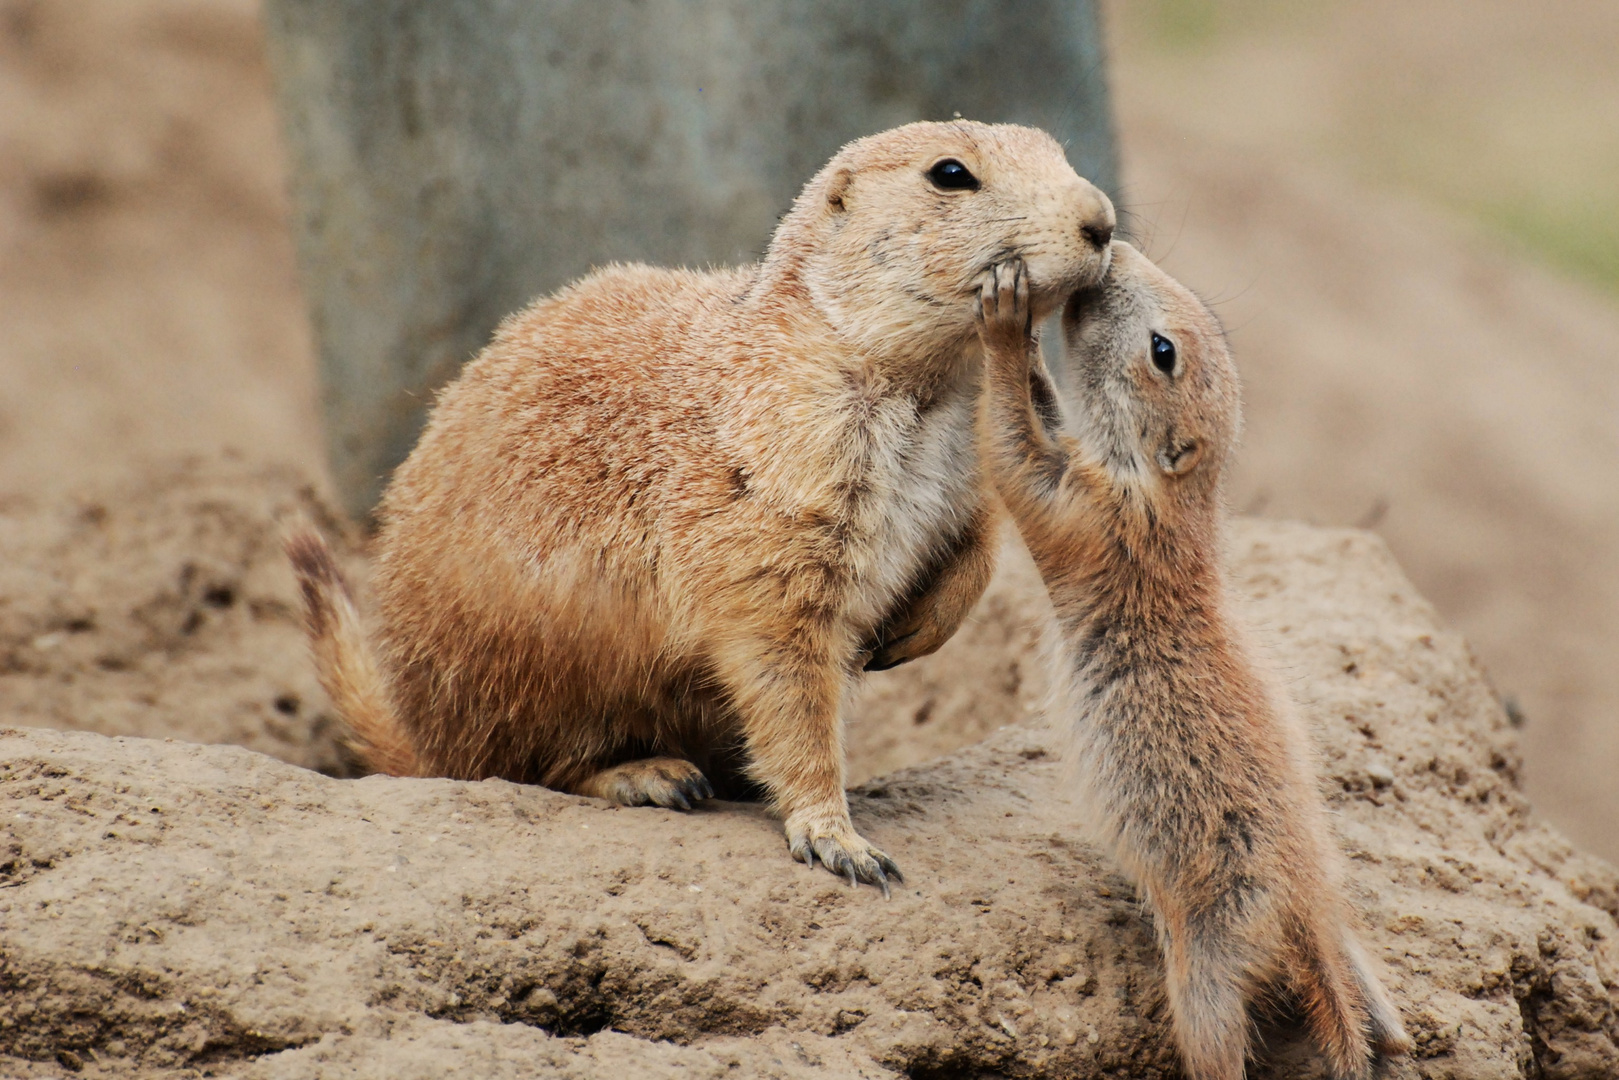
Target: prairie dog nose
1097 220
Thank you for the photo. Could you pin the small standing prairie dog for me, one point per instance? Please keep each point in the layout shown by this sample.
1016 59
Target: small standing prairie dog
1193 765
651 535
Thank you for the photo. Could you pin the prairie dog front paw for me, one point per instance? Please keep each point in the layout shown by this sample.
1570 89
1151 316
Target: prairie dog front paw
828 836
1005 319
919 634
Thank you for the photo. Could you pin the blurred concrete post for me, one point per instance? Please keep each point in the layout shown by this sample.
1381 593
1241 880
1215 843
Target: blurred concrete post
453 159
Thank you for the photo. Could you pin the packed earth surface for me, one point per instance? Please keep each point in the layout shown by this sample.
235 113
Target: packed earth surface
175 909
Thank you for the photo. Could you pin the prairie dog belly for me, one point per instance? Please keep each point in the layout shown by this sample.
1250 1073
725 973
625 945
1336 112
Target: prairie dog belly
923 479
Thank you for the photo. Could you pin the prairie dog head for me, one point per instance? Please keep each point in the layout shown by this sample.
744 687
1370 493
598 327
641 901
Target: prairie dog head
894 235
1154 380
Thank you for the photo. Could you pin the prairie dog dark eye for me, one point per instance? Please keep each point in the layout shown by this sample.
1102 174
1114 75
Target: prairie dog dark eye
952 175
1163 354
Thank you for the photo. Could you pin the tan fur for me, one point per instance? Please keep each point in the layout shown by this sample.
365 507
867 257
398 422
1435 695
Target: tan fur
1194 765
668 516
348 673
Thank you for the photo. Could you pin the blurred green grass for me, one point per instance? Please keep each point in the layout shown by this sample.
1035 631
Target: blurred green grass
1504 113
1520 166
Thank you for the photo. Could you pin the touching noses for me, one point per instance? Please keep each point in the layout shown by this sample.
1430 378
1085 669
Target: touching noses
1096 218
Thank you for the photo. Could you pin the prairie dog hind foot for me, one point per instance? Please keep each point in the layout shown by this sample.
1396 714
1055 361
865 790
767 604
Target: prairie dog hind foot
669 782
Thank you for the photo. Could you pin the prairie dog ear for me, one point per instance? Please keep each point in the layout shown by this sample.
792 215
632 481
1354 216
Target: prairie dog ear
842 180
1177 456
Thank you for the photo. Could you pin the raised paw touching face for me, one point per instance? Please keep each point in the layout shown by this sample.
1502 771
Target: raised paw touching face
829 837
1005 318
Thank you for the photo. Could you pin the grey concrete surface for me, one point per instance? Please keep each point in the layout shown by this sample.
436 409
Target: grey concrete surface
453 159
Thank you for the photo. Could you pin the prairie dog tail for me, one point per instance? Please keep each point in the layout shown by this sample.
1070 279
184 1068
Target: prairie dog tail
343 660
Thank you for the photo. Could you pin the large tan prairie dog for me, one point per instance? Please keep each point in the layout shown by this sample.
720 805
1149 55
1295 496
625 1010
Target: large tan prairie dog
651 535
1191 762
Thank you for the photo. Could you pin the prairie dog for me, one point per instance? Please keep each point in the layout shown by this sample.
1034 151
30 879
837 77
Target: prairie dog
653 532
1191 762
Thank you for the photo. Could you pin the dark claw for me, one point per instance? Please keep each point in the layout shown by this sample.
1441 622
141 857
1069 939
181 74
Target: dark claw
889 868
706 790
678 798
882 881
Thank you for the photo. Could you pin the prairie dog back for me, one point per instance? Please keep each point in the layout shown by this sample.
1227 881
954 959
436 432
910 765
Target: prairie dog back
1196 769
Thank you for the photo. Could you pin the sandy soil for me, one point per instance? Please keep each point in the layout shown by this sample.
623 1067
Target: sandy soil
162 605
1403 371
174 910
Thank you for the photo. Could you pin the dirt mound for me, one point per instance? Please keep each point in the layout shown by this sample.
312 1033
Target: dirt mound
163 606
170 906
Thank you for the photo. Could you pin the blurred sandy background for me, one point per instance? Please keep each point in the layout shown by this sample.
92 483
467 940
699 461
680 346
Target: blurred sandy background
1406 215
